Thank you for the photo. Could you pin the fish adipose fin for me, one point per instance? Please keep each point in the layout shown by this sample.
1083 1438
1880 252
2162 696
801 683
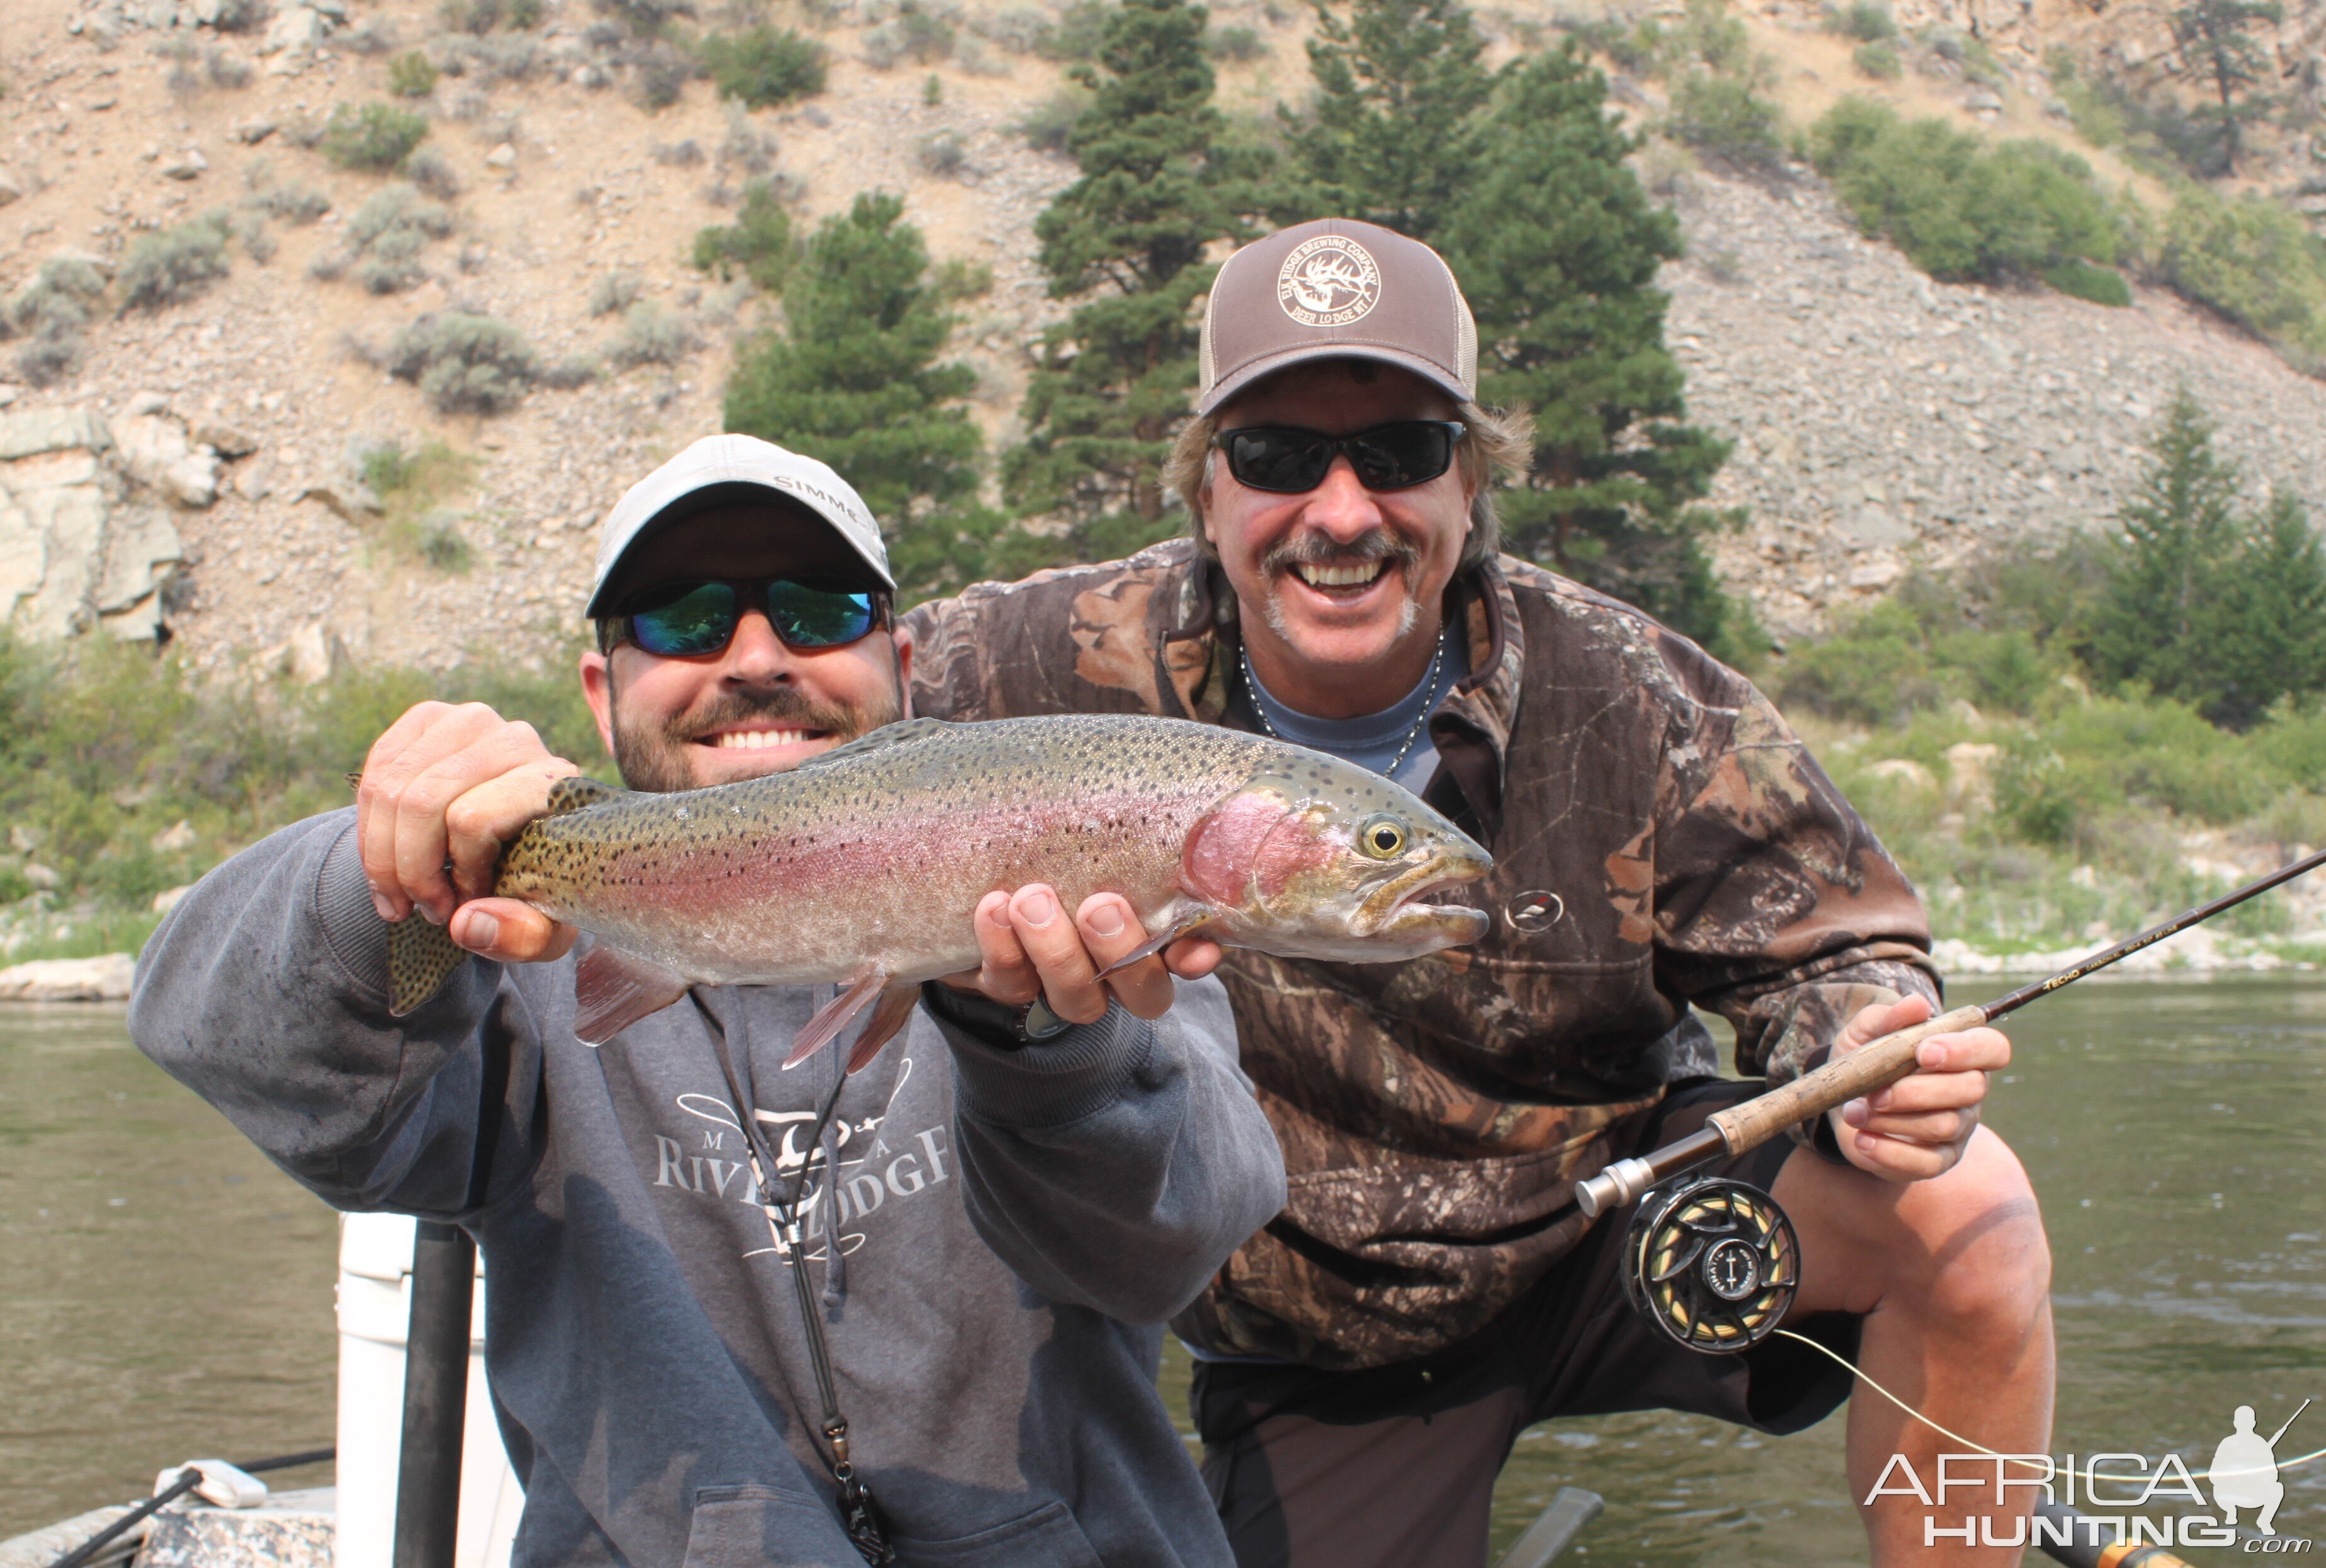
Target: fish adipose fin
896 1006
835 1014
1182 919
574 793
420 956
613 990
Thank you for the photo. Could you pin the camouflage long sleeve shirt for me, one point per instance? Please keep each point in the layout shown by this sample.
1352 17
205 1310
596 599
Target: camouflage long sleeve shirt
1661 839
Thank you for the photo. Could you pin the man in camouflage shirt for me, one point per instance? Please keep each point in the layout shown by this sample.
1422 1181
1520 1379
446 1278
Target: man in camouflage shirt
1661 841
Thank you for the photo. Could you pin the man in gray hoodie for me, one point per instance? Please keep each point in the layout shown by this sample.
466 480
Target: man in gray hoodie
998 1214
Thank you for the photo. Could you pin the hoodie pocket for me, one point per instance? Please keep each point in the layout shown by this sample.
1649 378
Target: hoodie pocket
756 1527
1047 1537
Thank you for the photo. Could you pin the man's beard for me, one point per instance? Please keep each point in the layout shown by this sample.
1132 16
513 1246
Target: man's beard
1376 544
659 760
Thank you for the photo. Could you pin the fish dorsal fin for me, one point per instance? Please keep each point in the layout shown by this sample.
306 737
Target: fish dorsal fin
574 793
613 990
900 734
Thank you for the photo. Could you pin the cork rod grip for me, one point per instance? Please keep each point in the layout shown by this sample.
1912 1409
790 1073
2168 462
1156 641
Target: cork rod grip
1874 1066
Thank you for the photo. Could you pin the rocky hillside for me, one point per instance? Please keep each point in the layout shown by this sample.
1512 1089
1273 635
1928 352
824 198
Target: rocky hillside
216 446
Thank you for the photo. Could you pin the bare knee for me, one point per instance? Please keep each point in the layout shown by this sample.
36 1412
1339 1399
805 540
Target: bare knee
1975 1244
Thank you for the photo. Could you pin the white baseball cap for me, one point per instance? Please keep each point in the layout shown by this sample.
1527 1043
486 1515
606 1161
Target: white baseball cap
719 469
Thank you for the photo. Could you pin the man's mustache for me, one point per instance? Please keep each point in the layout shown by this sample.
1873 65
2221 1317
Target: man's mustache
788 708
1310 549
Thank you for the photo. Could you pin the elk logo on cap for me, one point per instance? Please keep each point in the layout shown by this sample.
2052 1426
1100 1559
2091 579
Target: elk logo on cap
1329 281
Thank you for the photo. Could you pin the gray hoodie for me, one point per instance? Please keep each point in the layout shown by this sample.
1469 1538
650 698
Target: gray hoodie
1012 1226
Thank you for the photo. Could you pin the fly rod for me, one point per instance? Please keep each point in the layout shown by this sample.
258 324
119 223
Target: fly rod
1874 1066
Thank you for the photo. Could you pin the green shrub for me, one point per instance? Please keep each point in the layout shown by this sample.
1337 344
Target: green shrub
464 363
1866 21
1959 209
1879 60
1236 45
375 137
765 66
412 74
2102 285
758 244
2253 261
174 266
51 315
1723 118
941 152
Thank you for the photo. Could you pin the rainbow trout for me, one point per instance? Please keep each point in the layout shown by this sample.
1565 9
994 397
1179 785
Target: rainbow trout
865 865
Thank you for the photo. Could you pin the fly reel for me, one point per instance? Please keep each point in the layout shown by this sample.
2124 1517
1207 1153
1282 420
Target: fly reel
1712 1263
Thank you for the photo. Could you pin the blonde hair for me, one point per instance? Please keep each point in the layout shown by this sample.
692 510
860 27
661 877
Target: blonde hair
1497 444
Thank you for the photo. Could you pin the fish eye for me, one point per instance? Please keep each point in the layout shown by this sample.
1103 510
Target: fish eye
1381 837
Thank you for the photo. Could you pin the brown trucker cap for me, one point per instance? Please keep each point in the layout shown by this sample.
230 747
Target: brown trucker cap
1336 289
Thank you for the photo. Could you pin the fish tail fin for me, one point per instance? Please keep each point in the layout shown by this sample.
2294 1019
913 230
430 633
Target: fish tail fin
421 956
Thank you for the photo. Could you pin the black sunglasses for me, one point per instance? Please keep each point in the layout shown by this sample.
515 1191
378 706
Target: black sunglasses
1287 460
684 619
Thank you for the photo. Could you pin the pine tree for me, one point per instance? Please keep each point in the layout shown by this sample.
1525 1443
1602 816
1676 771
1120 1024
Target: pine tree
1127 240
1391 135
2212 36
1557 246
2155 614
855 382
2275 635
2225 611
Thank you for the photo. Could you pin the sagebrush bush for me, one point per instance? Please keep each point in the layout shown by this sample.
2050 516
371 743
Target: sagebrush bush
1234 44
915 33
1046 125
376 137
50 315
763 66
941 152
412 74
433 172
385 237
174 266
464 363
614 291
1879 60
653 334
1866 21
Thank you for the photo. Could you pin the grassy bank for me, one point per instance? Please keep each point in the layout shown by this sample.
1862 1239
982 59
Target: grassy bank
2036 814
122 778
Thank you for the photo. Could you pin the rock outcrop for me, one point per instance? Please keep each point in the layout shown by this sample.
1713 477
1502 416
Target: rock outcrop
86 539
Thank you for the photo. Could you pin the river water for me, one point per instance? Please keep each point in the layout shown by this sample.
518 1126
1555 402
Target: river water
164 1293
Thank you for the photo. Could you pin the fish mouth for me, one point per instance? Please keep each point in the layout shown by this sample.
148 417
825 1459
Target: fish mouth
1405 908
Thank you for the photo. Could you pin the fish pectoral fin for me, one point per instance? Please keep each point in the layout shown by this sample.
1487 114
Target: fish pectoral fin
571 794
420 957
613 990
1183 919
834 1015
897 1000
